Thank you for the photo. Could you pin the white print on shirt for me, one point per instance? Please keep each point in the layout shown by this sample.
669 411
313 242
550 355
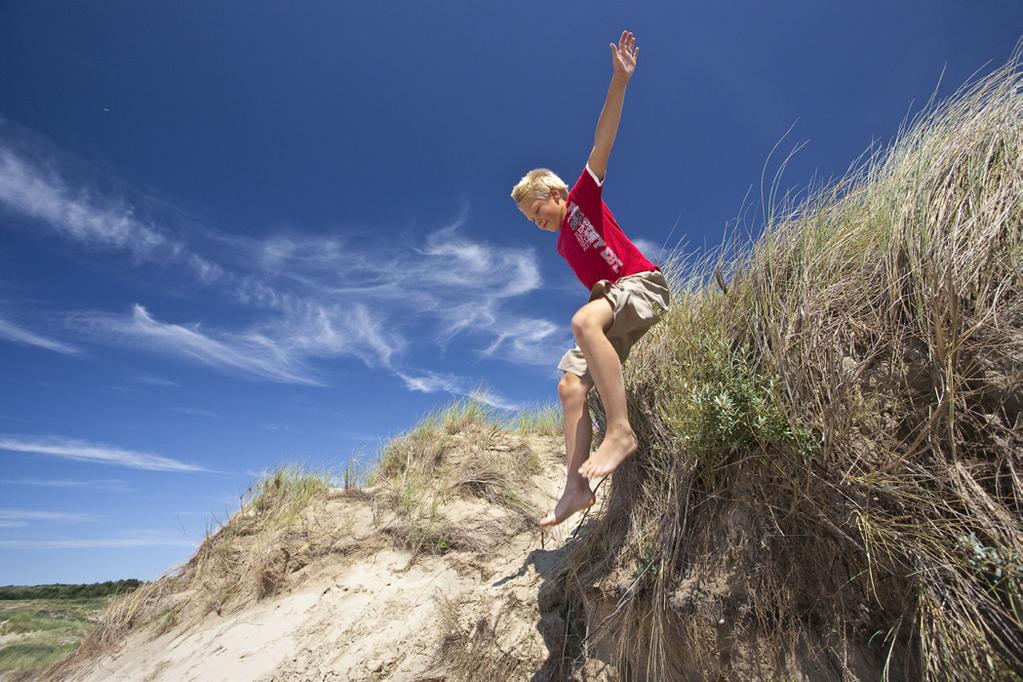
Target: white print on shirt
587 236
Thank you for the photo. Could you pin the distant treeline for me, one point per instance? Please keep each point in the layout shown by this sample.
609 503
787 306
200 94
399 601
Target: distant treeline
104 589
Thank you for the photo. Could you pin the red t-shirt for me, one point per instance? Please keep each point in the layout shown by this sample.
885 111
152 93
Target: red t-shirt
590 239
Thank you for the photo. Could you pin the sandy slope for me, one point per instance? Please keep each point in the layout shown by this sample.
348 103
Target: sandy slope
368 614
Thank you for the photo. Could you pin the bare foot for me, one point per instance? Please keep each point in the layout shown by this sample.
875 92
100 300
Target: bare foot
572 500
616 448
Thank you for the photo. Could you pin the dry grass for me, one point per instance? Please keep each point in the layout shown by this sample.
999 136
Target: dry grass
463 451
829 477
542 419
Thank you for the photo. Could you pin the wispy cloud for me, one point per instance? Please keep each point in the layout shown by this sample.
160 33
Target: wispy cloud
529 342
431 382
448 286
488 398
196 412
141 540
651 250
434 382
450 283
366 296
102 484
250 354
280 350
35 183
153 380
130 391
93 452
280 427
17 518
12 332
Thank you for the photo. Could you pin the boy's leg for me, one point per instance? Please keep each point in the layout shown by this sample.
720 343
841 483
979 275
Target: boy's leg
589 325
578 436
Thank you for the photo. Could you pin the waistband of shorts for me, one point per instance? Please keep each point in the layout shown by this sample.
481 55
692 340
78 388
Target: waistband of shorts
634 274
641 272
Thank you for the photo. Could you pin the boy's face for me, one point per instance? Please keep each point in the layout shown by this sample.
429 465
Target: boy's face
547 212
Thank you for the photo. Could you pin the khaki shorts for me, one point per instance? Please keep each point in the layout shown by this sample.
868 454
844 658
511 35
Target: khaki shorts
638 301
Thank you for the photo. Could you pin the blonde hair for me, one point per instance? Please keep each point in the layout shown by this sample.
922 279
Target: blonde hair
539 182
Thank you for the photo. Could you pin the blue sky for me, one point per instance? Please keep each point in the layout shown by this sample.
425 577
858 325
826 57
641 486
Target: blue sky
239 234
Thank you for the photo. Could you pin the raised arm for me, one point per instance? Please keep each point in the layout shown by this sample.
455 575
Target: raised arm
623 61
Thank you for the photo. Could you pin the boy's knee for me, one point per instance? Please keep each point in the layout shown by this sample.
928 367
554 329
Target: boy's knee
572 388
583 322
593 318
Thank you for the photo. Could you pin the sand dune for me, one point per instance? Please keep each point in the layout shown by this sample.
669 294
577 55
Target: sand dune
372 611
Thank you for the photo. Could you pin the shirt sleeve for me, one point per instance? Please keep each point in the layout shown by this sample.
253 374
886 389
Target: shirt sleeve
587 189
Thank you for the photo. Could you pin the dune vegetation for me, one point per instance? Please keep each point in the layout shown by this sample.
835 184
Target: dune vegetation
829 477
37 631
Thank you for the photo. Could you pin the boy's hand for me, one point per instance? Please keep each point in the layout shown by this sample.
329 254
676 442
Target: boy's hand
624 56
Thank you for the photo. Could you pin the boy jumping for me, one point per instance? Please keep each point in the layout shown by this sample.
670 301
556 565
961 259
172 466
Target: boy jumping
628 295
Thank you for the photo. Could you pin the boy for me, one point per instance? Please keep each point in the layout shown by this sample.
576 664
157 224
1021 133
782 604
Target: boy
628 295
